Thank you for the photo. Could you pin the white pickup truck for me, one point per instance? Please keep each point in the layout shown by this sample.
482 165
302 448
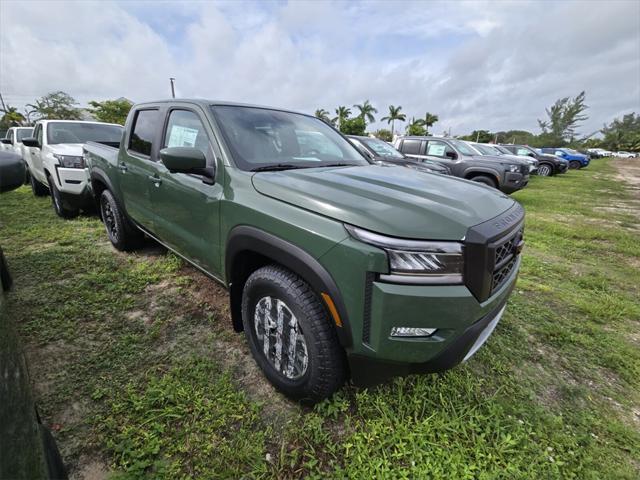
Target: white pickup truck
12 142
54 159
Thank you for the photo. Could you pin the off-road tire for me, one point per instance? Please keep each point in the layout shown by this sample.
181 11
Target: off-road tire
38 189
545 170
58 205
121 232
485 180
326 368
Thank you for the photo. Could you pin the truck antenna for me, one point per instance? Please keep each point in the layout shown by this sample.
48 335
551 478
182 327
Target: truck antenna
173 91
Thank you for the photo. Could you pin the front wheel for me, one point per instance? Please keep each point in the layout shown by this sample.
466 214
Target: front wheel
58 205
485 180
545 170
574 164
290 335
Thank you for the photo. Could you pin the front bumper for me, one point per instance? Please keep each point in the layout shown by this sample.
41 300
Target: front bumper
463 325
514 181
73 186
562 167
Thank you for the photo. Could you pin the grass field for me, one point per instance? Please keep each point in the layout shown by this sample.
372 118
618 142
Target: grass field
138 373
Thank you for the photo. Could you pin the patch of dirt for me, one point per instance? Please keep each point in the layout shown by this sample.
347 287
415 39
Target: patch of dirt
90 469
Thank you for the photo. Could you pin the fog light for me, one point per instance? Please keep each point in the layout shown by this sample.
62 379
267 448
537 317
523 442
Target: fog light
412 332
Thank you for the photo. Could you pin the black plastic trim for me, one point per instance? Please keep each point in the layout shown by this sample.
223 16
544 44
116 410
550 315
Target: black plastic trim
370 277
250 239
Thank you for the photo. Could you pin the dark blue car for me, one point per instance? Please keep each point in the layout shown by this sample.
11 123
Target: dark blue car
575 159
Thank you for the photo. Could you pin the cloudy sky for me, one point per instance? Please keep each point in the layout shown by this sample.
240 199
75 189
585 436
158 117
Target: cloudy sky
481 64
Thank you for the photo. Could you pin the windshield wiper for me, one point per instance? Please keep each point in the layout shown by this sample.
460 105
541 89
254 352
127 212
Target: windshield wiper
336 165
277 166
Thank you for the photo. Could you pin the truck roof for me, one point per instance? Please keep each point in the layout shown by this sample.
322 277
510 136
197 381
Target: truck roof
203 102
75 121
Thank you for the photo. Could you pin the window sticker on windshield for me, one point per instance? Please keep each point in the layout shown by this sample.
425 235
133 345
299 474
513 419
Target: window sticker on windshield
437 150
182 136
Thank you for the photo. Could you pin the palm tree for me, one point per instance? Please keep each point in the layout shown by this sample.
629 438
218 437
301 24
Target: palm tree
416 127
394 114
366 111
342 114
429 120
323 115
12 117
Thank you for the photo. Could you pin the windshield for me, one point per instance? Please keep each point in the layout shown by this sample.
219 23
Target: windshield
487 149
70 132
23 133
382 148
502 149
260 138
463 147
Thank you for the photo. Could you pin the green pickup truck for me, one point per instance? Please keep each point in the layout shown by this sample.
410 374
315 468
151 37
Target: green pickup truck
336 268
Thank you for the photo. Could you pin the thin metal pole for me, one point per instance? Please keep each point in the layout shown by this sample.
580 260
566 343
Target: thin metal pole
173 91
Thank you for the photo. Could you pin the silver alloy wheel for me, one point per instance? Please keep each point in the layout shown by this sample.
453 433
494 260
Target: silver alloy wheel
544 170
283 343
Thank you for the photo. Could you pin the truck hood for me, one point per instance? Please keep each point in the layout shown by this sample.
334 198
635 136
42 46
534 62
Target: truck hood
74 149
504 159
395 201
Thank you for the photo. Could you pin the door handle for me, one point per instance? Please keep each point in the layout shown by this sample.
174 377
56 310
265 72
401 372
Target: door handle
123 167
155 180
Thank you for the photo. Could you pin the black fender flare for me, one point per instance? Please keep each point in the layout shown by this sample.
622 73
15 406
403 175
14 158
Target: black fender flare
473 171
250 239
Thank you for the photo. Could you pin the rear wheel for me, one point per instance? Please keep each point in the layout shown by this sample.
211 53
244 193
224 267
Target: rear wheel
58 205
485 180
545 170
574 164
38 189
122 234
290 335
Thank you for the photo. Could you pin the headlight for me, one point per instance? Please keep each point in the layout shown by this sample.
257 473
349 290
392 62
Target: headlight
417 261
70 161
513 168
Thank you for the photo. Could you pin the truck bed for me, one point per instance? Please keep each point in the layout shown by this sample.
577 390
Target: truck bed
100 155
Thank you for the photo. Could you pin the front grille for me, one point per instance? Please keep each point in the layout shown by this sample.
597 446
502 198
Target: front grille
524 169
491 252
505 257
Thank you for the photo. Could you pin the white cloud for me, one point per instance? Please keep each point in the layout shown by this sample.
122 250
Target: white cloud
476 64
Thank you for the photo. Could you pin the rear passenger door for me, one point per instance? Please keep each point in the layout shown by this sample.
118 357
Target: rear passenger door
137 165
187 206
412 147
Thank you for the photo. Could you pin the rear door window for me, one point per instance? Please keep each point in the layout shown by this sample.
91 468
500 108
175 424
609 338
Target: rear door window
411 147
143 131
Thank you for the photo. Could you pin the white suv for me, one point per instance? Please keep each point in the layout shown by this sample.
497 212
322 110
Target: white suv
54 158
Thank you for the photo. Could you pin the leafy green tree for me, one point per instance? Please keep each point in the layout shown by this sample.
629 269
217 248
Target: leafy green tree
353 126
481 136
429 120
564 117
111 111
55 106
342 114
366 111
416 127
622 134
384 134
11 118
394 114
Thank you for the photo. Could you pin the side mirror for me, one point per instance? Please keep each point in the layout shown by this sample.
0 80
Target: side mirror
12 171
531 155
30 142
6 141
451 155
186 160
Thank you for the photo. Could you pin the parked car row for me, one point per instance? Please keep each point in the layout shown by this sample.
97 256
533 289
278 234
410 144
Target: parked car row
343 257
